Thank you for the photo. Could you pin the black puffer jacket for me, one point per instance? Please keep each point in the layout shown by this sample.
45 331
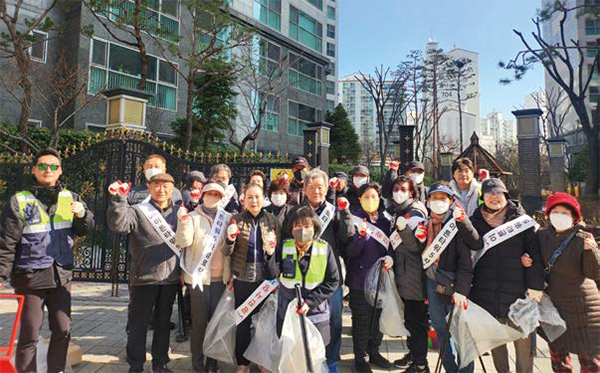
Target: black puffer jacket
499 277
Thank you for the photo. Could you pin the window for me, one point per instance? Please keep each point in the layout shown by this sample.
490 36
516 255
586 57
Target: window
271 117
305 75
317 3
331 31
594 72
330 105
592 27
594 95
39 46
299 115
114 66
330 86
34 123
592 49
330 12
331 50
161 17
268 57
268 12
306 30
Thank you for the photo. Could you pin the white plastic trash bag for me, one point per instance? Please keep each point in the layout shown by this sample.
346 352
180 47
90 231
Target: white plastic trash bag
475 332
525 314
552 324
391 321
219 340
292 358
265 346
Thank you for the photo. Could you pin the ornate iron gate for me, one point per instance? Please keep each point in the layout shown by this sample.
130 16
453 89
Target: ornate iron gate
89 168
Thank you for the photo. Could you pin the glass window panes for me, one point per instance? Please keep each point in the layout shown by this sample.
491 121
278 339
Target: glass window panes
331 49
305 75
306 29
167 73
38 46
330 12
331 31
317 3
330 87
299 115
268 12
99 53
592 27
170 7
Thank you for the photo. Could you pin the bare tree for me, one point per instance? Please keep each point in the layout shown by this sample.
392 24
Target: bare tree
212 32
565 63
388 91
15 43
260 84
459 75
62 94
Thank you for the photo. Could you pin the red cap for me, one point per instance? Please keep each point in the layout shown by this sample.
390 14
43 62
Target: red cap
563 199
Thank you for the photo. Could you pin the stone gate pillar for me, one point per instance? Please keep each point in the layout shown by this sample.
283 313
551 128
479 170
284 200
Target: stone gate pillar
528 135
316 144
558 175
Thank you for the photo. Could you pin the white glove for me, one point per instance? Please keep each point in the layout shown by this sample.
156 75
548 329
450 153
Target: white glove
401 223
232 230
459 213
535 295
270 243
182 213
77 209
460 300
388 262
195 195
113 188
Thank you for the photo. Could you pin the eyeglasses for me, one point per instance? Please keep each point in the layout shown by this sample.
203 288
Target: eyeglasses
44 167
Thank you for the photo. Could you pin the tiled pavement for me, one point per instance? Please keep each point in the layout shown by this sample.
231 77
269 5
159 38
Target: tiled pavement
99 329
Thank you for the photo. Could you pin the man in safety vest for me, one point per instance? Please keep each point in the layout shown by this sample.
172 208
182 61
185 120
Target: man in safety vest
154 273
39 225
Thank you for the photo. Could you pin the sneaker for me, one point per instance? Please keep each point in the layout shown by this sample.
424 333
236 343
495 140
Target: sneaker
375 358
163 368
333 368
414 368
131 370
405 362
361 366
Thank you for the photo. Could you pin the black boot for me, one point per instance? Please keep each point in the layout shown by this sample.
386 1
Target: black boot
361 366
375 358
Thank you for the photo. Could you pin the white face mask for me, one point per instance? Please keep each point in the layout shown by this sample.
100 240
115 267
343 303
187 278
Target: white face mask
151 172
439 207
417 178
359 180
211 201
278 199
561 222
400 197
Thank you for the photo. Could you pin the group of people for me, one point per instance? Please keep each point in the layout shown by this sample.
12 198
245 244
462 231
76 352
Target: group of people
448 245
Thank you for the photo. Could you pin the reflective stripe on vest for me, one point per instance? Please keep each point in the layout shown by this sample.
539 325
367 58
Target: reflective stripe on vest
29 205
316 269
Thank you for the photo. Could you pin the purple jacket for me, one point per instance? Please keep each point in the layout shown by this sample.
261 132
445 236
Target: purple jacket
363 252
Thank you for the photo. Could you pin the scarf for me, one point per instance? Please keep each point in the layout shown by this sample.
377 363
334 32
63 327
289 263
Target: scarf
434 226
494 218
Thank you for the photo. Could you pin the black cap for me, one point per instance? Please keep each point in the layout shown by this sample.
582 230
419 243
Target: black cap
493 185
360 170
341 175
299 161
416 164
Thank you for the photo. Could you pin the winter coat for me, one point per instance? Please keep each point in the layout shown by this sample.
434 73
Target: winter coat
192 236
573 290
280 212
471 201
338 234
238 249
455 260
139 193
40 272
152 260
296 193
499 277
364 251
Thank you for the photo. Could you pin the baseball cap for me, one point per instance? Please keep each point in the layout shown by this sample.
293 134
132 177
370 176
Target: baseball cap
341 175
493 185
360 170
440 188
416 164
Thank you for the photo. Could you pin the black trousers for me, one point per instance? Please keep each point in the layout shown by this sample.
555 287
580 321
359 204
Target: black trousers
203 305
364 339
58 303
242 290
142 299
416 321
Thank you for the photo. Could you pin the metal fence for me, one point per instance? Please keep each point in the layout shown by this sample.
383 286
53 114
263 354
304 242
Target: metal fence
91 166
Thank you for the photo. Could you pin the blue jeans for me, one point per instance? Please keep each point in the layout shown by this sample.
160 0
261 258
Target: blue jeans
438 312
335 324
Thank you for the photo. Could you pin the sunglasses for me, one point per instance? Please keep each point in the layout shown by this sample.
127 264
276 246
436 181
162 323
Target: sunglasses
44 167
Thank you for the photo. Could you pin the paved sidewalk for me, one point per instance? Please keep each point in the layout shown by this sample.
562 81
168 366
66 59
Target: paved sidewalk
99 329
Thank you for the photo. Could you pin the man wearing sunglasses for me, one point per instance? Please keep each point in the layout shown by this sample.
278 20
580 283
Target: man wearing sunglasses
39 224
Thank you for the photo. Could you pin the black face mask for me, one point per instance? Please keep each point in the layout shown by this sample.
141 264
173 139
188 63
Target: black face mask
298 175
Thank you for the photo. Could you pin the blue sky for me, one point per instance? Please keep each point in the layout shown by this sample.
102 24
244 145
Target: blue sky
373 32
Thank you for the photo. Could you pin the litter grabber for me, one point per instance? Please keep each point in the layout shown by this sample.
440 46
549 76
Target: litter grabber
6 352
444 345
309 365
